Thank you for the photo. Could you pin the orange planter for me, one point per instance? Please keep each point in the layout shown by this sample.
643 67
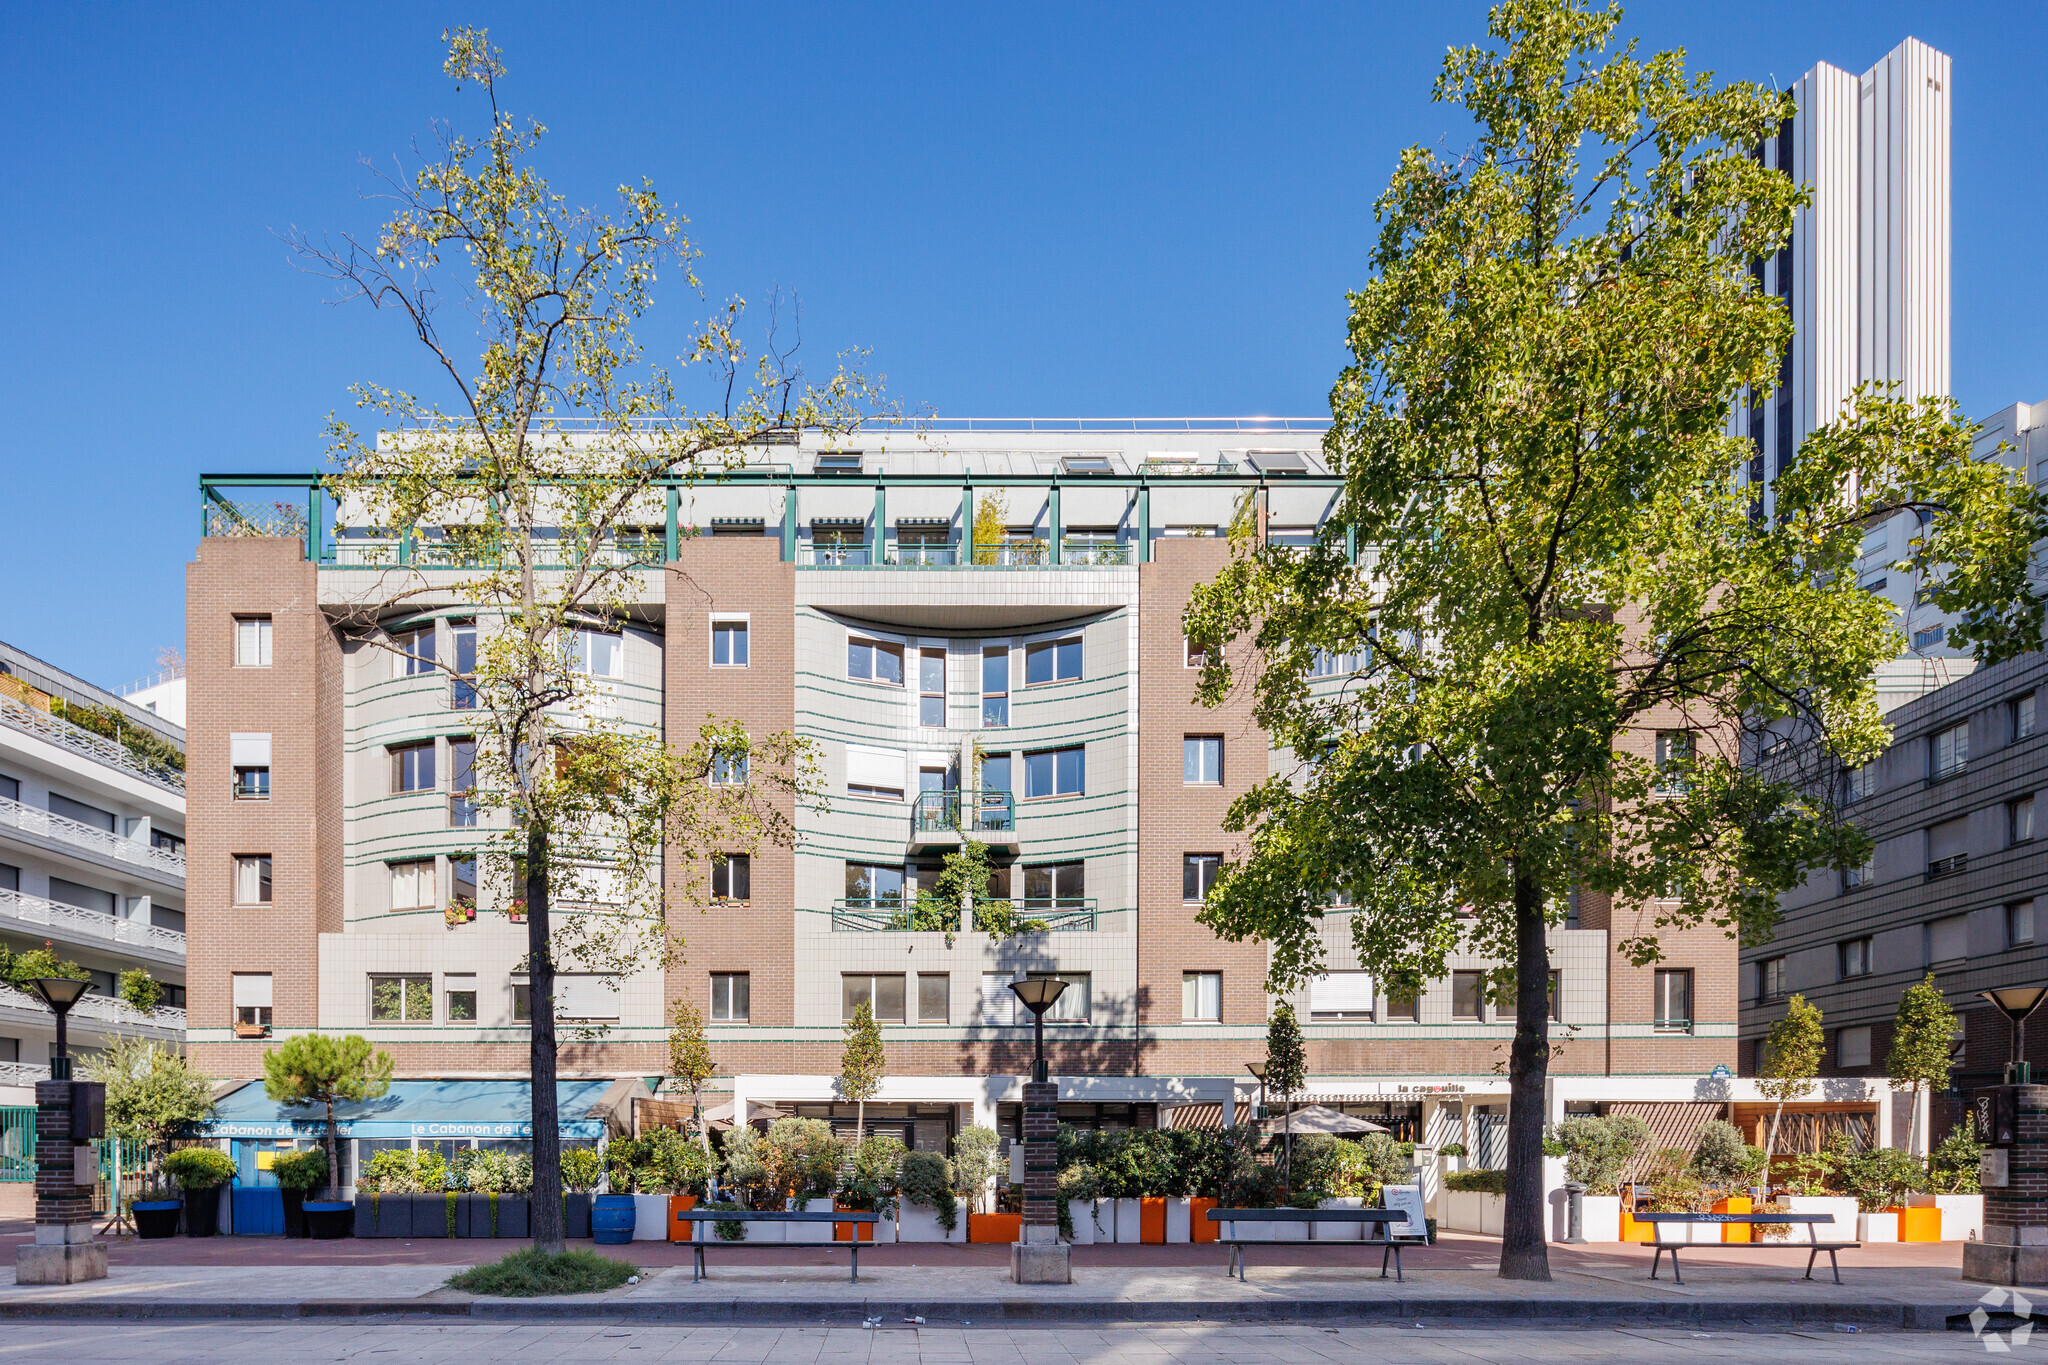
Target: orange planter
1735 1232
1918 1224
679 1229
1152 1221
1200 1229
843 1232
1631 1230
994 1228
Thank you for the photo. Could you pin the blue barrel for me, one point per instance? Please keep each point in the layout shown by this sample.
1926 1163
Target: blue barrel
611 1219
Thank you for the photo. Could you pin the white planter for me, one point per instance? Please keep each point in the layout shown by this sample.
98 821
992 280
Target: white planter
1180 1219
1600 1217
1962 1216
650 1218
1272 1232
808 1233
763 1232
1339 1232
1081 1213
1844 1210
1493 1212
916 1223
1877 1227
1127 1221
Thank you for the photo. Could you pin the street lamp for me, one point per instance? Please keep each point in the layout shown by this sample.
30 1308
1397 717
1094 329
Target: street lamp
1038 993
2016 1003
60 993
1258 1070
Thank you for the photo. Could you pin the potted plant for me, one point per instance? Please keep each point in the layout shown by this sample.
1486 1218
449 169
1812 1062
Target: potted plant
870 1187
614 1217
1598 1150
929 1211
1953 1171
582 1168
1477 1200
1880 1179
1077 1204
682 1169
1331 1171
1723 1161
298 1174
802 1158
200 1172
156 1212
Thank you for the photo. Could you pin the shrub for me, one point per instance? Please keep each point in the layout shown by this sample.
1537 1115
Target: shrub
301 1171
746 1169
1479 1182
399 1171
728 1230
197 1169
1317 1161
974 1162
1598 1150
927 1178
582 1168
1721 1158
669 1161
532 1272
1382 1160
879 1161
802 1158
624 1160
1955 1165
1881 1177
140 990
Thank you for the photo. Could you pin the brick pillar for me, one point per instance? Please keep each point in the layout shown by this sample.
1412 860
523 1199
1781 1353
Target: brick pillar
1039 1257
2015 1245
64 1251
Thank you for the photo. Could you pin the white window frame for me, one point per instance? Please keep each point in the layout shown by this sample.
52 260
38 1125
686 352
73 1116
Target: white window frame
1202 778
254 635
1078 639
731 618
876 645
732 1015
256 869
1201 997
1343 1000
405 880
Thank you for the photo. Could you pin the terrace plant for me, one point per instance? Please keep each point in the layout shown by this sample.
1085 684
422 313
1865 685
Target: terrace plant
802 1158
319 1069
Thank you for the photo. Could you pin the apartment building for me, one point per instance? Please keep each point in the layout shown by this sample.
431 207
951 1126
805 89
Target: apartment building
92 863
1035 693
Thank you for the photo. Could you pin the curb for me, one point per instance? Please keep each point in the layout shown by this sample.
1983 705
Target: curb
1745 1313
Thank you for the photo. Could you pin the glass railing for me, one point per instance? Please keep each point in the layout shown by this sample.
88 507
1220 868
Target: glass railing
974 812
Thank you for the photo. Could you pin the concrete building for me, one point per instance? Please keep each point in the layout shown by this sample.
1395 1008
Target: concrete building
1036 693
92 863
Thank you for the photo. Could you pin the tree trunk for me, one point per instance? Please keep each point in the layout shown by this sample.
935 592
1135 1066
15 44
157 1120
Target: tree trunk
860 1123
1524 1251
546 1207
1913 1125
703 1128
333 1171
1771 1143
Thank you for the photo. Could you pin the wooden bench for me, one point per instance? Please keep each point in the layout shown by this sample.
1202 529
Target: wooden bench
1813 1242
700 1242
1383 1218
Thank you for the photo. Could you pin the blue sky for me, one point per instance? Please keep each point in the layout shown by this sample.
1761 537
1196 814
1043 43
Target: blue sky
1052 210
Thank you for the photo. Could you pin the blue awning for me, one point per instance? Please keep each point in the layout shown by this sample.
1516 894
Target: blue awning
428 1109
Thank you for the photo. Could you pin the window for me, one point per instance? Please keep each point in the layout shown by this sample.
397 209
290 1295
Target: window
1325 664
1853 957
1192 655
462 783
522 1000
840 462
415 652
250 756
168 842
401 999
998 1002
1929 637
1770 979
252 1001
462 696
1073 1005
1052 886
462 884
1341 995
1277 462
1055 772
881 992
874 661
412 768
931 688
2019 821
2023 716
1051 661
1673 1003
1853 877
1948 939
599 653
1674 756
1201 761
731 878
252 879
1852 1046
874 883
1468 995
586 995
252 642
84 897
81 813
1403 1007
995 686
875 773
1948 848
728 643
1197 874
458 989
412 884
1948 752
1085 464
2019 924
934 997
730 992
1201 997
1555 997
1862 781
728 769
995 772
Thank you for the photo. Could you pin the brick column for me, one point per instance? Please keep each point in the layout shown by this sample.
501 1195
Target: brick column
2015 1245
1039 1256
64 1251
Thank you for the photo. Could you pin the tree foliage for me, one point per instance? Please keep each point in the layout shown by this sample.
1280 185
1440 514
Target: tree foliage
1792 1053
1559 555
690 1060
320 1069
1922 1038
861 1065
153 1091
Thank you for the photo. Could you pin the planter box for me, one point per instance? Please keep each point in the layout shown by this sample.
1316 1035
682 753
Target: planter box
1476 1211
429 1214
1179 1219
650 1218
1917 1224
1877 1227
156 1217
576 1214
1734 1203
294 1202
515 1215
1200 1229
809 1233
329 1220
1339 1232
1280 1232
384 1215
469 1222
679 1229
996 1229
1844 1210
1128 1225
761 1232
1152 1221
1600 1217
916 1223
848 1232
1081 1213
1962 1215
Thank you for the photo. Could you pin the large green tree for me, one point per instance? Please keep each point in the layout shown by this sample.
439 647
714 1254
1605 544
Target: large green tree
153 1092
524 493
1923 1043
317 1068
1558 556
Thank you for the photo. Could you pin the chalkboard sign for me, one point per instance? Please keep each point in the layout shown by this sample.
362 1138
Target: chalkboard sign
1407 1199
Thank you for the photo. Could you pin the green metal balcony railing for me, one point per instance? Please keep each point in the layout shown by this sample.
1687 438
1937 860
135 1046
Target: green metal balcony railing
928 914
972 812
1081 552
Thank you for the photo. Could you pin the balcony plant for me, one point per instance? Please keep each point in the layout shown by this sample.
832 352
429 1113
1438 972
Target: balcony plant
199 1173
140 991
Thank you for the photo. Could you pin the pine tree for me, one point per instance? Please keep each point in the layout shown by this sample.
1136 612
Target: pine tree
861 1066
1921 1038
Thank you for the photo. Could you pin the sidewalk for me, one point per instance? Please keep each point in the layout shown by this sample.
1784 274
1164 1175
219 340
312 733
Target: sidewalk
1888 1287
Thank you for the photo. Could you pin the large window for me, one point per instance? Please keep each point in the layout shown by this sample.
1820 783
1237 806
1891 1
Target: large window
412 884
2019 821
252 1001
934 997
252 879
2023 716
1948 939
2019 924
1948 848
1862 781
732 877
1051 886
881 992
252 642
1673 1003
1074 1003
462 783
729 643
600 653
1948 751
1852 1046
1468 995
462 884
875 882
1201 997
412 768
1341 995
1197 874
462 696
1201 760
995 686
1051 661
414 652
730 997
1853 957
401 999
931 688
874 661
1770 979
728 769
1055 772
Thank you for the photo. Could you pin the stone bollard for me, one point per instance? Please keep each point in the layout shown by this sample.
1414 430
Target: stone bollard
1039 1256
1575 1213
64 1251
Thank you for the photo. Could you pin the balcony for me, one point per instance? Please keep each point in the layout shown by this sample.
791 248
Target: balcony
28 720
58 922
21 1073
1947 867
948 817
69 835
1076 552
102 1014
373 552
927 914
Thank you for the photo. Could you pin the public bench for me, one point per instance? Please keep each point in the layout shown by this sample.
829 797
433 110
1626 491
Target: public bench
1811 1220
701 1243
1383 1219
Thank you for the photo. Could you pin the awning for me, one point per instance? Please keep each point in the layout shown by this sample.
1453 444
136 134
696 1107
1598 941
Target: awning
429 1109
1316 1118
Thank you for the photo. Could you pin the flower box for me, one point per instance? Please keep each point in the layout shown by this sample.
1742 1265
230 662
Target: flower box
1842 1207
995 1228
1259 1230
1877 1227
576 1214
1179 1219
1152 1221
1600 1217
1917 1224
1734 1232
1338 1232
328 1220
919 1223
849 1232
1200 1228
1082 1214
1129 1222
679 1229
650 1218
809 1234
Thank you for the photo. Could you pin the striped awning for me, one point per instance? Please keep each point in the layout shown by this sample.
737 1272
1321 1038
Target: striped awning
1207 1118
924 521
838 523
1673 1123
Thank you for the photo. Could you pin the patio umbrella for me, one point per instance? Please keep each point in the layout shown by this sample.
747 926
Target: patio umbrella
719 1116
1318 1118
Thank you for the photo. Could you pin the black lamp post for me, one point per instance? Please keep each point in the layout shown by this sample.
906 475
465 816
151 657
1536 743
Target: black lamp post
60 993
1038 993
1258 1070
2016 1003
